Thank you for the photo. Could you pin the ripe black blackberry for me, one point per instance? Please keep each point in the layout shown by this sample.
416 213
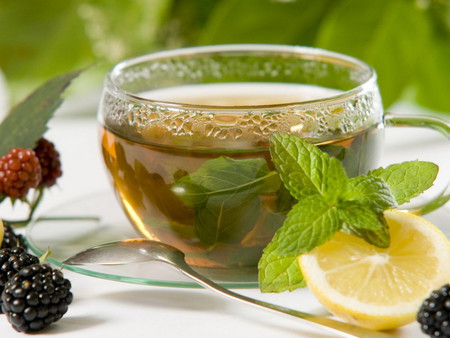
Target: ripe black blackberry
11 239
434 314
13 260
19 172
35 297
49 160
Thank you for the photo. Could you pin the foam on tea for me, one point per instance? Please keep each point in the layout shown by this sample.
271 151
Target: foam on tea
158 159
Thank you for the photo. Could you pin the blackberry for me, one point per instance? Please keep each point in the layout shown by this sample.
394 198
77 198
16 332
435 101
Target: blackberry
11 261
19 172
35 297
11 239
49 160
434 313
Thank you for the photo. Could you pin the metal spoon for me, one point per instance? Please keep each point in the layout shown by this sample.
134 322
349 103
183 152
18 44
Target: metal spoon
144 250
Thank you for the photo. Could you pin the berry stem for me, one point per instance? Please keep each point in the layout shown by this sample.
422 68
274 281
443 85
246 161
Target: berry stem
33 206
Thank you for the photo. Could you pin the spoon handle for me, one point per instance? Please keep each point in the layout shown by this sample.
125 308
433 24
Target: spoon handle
339 328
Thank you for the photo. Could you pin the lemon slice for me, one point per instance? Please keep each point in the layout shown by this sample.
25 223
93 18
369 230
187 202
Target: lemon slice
379 288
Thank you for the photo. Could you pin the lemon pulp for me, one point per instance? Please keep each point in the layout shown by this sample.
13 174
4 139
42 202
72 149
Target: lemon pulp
374 287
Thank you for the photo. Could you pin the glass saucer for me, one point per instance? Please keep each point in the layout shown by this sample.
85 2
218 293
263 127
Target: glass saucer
77 225
96 219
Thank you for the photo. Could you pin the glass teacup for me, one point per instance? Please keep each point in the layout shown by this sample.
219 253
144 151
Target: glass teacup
185 136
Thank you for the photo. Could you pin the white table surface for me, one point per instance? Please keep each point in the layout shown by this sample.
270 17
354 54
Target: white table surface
103 308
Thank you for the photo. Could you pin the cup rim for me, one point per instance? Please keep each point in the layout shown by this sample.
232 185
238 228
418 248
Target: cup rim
309 52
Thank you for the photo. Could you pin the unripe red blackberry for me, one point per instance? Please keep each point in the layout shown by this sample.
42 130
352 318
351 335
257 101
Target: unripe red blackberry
19 172
49 160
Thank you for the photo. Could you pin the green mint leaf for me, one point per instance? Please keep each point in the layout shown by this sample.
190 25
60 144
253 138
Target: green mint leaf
370 191
226 177
379 238
278 273
224 194
310 223
303 168
408 179
224 220
360 216
27 121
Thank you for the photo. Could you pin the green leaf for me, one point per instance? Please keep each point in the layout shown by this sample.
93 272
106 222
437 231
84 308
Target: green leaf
225 221
380 238
279 273
27 121
433 76
370 191
54 36
304 169
265 21
310 223
226 177
358 215
225 196
390 35
408 179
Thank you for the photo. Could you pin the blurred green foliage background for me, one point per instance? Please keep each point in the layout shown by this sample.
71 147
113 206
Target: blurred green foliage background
406 41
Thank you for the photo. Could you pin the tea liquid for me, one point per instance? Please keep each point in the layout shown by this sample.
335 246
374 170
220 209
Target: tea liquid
229 231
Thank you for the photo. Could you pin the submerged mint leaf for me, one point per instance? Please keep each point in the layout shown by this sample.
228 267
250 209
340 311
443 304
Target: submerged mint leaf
370 191
224 220
279 273
303 168
310 223
408 179
224 194
27 121
226 177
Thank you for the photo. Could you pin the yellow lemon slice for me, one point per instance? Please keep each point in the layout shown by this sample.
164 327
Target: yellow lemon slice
379 288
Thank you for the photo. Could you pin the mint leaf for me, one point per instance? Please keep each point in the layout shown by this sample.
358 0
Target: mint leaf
303 168
224 220
278 273
380 238
310 223
226 177
370 191
360 216
27 121
408 179
329 201
224 194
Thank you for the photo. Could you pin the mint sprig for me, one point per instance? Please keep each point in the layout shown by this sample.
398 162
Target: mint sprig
329 201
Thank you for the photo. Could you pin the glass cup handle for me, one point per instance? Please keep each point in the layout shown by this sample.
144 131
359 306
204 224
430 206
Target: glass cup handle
439 125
